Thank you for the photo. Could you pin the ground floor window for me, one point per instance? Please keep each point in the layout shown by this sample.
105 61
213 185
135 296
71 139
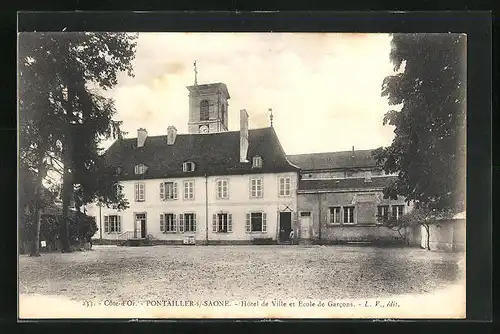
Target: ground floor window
383 211
348 214
397 211
222 223
256 222
187 222
334 215
167 222
112 224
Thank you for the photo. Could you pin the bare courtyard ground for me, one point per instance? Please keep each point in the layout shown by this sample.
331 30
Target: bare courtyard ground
238 272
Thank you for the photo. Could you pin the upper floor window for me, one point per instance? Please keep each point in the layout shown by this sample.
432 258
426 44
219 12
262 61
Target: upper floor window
257 162
204 114
222 189
285 186
140 169
188 166
168 191
256 187
140 192
189 189
397 211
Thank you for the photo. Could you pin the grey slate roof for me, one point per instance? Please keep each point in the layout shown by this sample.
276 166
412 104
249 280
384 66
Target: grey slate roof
343 184
334 160
213 154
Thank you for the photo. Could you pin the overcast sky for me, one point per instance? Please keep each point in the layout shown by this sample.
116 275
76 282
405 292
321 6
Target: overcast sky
324 88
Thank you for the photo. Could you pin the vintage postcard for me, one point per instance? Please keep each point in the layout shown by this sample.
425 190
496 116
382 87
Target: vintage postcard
241 175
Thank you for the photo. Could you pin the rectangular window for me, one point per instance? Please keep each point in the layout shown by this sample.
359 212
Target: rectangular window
348 214
188 166
383 211
256 222
397 211
189 189
334 215
187 222
222 223
256 188
140 192
112 224
222 189
168 191
168 223
285 186
257 162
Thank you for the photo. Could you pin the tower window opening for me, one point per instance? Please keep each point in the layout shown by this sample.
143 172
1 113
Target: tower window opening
204 115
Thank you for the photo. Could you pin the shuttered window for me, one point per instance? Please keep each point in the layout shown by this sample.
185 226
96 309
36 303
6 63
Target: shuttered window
140 192
189 189
168 191
256 222
187 222
222 223
222 189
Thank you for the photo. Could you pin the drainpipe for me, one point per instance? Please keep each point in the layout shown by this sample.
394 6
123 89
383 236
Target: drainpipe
206 209
319 217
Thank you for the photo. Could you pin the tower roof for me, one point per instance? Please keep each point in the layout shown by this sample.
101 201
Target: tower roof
209 87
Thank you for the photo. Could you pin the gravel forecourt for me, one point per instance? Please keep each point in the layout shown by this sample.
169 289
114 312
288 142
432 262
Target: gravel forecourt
238 272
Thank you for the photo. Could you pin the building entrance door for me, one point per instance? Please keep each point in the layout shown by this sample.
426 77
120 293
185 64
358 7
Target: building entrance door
285 226
305 225
141 226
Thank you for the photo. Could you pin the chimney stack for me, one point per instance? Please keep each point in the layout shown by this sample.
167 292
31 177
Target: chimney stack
243 135
353 151
142 134
171 134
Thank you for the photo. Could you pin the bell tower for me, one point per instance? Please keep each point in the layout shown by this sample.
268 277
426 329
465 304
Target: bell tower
208 107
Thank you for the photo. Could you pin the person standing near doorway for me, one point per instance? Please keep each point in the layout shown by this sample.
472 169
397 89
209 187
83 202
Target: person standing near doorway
292 237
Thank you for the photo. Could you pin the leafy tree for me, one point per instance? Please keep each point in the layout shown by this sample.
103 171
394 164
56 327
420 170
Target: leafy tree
428 150
63 117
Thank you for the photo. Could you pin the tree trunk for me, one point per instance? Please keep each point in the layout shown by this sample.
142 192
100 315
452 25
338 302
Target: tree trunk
37 212
66 197
427 229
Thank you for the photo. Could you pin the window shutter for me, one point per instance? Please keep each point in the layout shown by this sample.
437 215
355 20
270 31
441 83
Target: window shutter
106 224
174 223
214 223
181 222
143 188
194 222
262 187
119 219
248 223
136 187
162 222
229 222
162 191
175 190
264 222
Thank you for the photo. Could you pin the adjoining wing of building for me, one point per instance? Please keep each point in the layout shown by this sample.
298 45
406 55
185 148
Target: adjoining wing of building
218 186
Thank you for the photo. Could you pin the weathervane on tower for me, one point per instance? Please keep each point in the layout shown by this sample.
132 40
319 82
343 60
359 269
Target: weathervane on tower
195 74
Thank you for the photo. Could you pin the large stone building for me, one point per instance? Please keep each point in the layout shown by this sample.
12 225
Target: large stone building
218 186
210 185
340 196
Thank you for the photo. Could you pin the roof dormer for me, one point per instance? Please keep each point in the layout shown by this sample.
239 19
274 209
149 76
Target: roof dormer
188 166
140 169
257 161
